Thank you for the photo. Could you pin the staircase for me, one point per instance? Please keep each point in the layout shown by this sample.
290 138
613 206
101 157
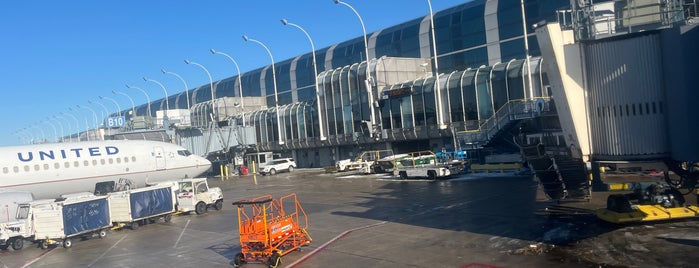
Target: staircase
561 175
574 175
504 118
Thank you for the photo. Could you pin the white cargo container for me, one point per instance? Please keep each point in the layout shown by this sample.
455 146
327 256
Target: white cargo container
60 221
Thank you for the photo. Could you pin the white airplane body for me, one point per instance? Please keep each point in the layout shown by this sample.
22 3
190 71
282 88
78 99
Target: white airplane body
50 170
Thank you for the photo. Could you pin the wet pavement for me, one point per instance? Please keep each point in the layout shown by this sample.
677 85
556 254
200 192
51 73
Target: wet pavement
376 221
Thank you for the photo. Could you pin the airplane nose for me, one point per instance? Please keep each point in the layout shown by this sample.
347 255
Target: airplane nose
204 163
207 163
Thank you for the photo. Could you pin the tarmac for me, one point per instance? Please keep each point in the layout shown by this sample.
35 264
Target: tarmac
480 220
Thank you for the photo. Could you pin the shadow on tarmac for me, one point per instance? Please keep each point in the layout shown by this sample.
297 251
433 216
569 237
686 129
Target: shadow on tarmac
497 206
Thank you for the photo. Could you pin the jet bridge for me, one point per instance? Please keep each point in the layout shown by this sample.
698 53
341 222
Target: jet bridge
614 68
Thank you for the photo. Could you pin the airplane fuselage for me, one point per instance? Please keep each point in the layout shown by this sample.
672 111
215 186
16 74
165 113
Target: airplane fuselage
49 170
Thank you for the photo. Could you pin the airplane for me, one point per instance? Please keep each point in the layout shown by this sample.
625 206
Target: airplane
50 170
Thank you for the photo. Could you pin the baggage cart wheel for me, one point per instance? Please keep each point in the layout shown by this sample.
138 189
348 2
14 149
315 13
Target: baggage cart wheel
67 243
200 208
43 244
274 260
102 233
403 175
134 225
167 218
17 243
239 259
218 205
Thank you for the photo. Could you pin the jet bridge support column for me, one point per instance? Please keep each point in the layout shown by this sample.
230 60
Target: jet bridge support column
563 66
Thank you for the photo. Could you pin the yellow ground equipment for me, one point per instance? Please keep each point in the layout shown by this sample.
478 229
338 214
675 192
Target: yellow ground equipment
655 202
270 228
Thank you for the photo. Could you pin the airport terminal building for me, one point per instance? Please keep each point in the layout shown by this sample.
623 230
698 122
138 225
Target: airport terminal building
567 86
392 101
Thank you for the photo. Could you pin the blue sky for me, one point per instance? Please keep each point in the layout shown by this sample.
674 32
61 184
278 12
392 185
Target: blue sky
59 54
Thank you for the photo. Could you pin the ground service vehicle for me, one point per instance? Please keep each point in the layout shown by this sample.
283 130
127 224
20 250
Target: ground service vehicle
389 163
653 201
364 162
277 165
195 195
15 232
8 204
59 222
270 228
425 164
135 207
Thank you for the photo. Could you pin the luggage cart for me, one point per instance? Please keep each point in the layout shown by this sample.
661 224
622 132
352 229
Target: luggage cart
270 228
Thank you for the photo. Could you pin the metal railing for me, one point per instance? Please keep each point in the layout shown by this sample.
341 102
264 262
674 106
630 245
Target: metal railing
691 10
591 22
511 111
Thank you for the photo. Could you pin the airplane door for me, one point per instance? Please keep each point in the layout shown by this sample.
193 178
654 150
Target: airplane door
159 158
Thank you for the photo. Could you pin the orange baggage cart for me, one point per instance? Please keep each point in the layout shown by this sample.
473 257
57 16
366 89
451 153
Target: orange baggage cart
270 228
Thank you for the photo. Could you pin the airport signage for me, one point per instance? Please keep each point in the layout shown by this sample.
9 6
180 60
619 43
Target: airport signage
397 93
115 122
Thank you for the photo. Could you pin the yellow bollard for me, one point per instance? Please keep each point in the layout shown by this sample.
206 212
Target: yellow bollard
220 170
225 171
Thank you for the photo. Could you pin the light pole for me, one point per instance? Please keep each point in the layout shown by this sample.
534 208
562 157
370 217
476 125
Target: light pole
315 77
22 136
186 88
70 129
133 105
526 50
213 90
367 82
440 121
106 113
55 133
77 123
60 125
115 104
274 80
94 114
87 126
53 119
29 134
240 85
167 102
147 97
43 136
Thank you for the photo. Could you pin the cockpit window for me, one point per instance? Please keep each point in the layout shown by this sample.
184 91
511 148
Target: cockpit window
184 152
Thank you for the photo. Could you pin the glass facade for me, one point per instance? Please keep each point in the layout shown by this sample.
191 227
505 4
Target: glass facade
472 96
474 83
